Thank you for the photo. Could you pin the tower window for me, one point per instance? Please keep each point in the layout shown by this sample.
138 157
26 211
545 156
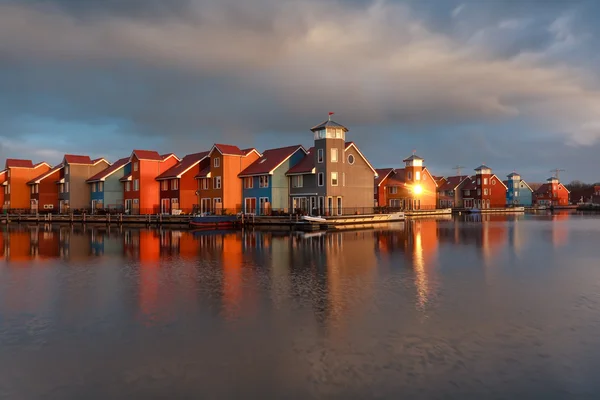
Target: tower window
334 155
321 179
320 156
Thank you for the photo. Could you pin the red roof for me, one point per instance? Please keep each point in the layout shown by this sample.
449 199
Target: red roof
77 159
348 144
45 174
40 164
147 155
204 173
452 182
165 156
248 151
470 184
182 166
270 160
382 173
397 178
16 163
108 171
305 166
229 149
125 178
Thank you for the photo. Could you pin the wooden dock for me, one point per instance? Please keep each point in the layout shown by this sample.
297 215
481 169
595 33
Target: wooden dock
296 222
114 219
428 213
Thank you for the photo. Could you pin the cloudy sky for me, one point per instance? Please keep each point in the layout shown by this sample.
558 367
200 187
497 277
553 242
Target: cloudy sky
513 84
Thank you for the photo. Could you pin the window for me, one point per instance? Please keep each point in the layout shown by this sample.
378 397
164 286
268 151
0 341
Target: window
320 155
164 185
339 205
66 169
478 192
350 159
334 155
321 179
216 162
297 181
395 203
37 187
248 182
66 187
334 179
485 181
136 201
32 189
393 189
424 177
343 179
174 200
136 185
204 183
100 186
263 181
479 181
516 194
128 186
417 175
409 175
493 181
217 182
135 166
485 192
175 184
93 188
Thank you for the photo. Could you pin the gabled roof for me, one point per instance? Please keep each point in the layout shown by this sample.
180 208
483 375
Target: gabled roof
184 165
499 180
328 124
126 178
305 166
205 173
351 144
382 173
168 155
470 184
102 175
425 170
17 163
270 160
413 158
397 178
452 182
77 159
46 174
521 181
146 155
548 187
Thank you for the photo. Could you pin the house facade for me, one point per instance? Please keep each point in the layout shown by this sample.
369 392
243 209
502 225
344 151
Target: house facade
141 190
409 188
334 178
265 186
484 190
219 187
450 193
44 190
551 193
17 193
178 185
518 192
106 190
73 191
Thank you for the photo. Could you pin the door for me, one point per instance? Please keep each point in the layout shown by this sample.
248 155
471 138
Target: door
94 206
264 203
313 205
165 206
128 205
250 205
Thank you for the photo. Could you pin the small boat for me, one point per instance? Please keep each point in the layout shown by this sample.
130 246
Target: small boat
214 221
313 219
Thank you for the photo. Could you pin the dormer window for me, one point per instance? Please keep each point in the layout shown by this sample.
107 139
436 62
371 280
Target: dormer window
216 162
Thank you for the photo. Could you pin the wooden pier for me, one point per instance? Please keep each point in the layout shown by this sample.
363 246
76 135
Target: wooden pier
109 219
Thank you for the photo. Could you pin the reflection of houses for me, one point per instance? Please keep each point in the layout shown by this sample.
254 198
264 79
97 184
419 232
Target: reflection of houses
265 185
178 185
518 192
551 193
411 188
450 193
17 174
484 190
106 190
334 178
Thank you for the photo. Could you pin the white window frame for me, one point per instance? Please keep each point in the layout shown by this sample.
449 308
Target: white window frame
263 181
320 156
136 185
93 187
334 155
249 182
334 178
66 187
216 162
485 181
485 192
321 179
297 181
164 185
128 186
175 184
339 205
217 183
101 186
393 189
136 166
417 175
204 183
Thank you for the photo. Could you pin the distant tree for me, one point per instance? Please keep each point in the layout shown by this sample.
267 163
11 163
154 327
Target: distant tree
576 185
535 185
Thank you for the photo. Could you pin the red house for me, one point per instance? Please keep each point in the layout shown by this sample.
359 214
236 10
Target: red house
551 193
178 185
141 189
45 189
484 190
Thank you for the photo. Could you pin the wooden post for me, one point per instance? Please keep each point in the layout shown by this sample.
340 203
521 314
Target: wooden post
83 220
71 217
108 219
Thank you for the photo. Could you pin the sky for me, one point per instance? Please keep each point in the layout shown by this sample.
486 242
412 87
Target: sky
514 84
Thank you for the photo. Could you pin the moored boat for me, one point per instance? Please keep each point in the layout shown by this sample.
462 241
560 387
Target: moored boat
214 221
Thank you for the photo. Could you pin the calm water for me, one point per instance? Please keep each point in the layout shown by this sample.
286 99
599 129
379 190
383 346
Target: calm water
499 308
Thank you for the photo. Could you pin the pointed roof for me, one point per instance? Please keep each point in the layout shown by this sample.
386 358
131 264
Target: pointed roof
228 149
305 166
397 178
46 174
470 184
77 159
188 162
482 166
102 175
205 173
270 160
512 174
413 158
328 123
382 173
18 163
452 182
352 144
147 155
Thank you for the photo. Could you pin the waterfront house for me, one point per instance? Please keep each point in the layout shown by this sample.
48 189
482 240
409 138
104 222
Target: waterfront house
265 184
551 193
178 185
106 190
2 180
334 178
17 194
44 190
141 190
73 191
484 190
409 188
219 187
518 192
450 193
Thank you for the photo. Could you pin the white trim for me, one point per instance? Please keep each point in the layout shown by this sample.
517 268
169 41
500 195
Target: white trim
385 177
271 172
103 178
431 176
47 174
494 175
363 157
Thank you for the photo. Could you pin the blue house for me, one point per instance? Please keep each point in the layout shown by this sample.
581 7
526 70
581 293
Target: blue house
105 187
519 193
265 187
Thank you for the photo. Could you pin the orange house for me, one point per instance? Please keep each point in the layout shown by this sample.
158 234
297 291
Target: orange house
219 188
141 189
552 193
409 188
18 174
2 180
44 190
178 184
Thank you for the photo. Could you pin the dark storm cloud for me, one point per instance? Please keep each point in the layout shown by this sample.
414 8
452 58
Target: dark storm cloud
197 71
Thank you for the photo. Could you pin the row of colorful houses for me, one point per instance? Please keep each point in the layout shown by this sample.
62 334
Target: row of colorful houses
332 177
